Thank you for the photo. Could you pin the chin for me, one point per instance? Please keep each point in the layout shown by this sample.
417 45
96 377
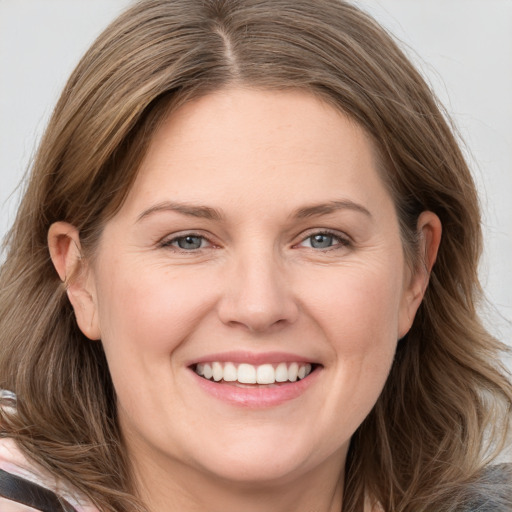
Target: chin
258 471
265 461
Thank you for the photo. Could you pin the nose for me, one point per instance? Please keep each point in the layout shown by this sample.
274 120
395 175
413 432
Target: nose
258 295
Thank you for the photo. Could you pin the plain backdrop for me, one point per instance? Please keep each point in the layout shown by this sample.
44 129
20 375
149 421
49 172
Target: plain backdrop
463 48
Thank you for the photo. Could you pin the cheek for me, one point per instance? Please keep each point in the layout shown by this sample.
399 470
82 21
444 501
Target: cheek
150 309
359 308
358 315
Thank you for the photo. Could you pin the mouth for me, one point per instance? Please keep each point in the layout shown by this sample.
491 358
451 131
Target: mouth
255 380
245 374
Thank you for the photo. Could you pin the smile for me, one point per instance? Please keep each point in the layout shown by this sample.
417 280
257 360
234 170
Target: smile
255 380
245 373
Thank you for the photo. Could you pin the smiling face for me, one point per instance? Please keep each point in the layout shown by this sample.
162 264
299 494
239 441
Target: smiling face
258 244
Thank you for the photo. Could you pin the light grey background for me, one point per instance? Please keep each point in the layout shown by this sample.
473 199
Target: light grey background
463 47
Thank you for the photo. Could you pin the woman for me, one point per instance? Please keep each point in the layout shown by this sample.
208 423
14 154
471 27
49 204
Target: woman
226 287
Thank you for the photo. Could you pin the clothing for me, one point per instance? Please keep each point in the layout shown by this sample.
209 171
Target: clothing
492 492
13 462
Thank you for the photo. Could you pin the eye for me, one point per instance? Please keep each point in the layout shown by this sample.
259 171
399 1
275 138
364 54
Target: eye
189 242
324 240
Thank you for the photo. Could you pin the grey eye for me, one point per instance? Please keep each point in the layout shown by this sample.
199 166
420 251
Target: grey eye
189 242
321 241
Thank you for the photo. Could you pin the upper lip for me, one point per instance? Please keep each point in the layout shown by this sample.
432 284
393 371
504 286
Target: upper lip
253 358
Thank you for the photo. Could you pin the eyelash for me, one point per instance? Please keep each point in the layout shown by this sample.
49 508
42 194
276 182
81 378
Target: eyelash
170 243
342 241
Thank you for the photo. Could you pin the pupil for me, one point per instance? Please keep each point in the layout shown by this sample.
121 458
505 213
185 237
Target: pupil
321 241
189 242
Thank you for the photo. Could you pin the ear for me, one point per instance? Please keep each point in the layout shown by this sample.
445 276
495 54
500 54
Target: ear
429 230
66 255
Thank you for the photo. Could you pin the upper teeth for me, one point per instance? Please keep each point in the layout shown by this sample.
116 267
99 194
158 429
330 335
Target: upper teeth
250 374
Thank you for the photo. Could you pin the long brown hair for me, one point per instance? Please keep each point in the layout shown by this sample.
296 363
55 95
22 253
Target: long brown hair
444 412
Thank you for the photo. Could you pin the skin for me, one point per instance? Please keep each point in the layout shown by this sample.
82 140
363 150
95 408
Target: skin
257 284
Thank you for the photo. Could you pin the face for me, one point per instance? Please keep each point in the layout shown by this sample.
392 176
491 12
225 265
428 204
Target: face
260 248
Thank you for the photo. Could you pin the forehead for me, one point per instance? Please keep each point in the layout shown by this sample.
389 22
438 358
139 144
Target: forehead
245 142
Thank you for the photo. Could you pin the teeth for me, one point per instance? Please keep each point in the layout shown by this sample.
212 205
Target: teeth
217 372
265 374
281 372
207 371
230 374
250 374
293 370
246 374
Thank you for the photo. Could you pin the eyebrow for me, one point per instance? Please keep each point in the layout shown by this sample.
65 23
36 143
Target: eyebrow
330 207
202 212
209 213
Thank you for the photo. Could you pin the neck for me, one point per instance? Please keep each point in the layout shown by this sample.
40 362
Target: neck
181 489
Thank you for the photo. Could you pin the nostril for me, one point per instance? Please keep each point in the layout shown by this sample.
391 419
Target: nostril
258 300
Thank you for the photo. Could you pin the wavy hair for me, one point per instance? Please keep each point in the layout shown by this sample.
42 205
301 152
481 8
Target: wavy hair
445 410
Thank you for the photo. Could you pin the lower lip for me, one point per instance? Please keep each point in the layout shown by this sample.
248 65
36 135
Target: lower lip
257 396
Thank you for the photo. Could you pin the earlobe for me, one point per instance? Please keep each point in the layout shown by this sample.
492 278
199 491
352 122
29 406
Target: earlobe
429 230
65 252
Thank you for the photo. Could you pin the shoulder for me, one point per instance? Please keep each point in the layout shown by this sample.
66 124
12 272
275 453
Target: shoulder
491 492
12 506
21 477
14 462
